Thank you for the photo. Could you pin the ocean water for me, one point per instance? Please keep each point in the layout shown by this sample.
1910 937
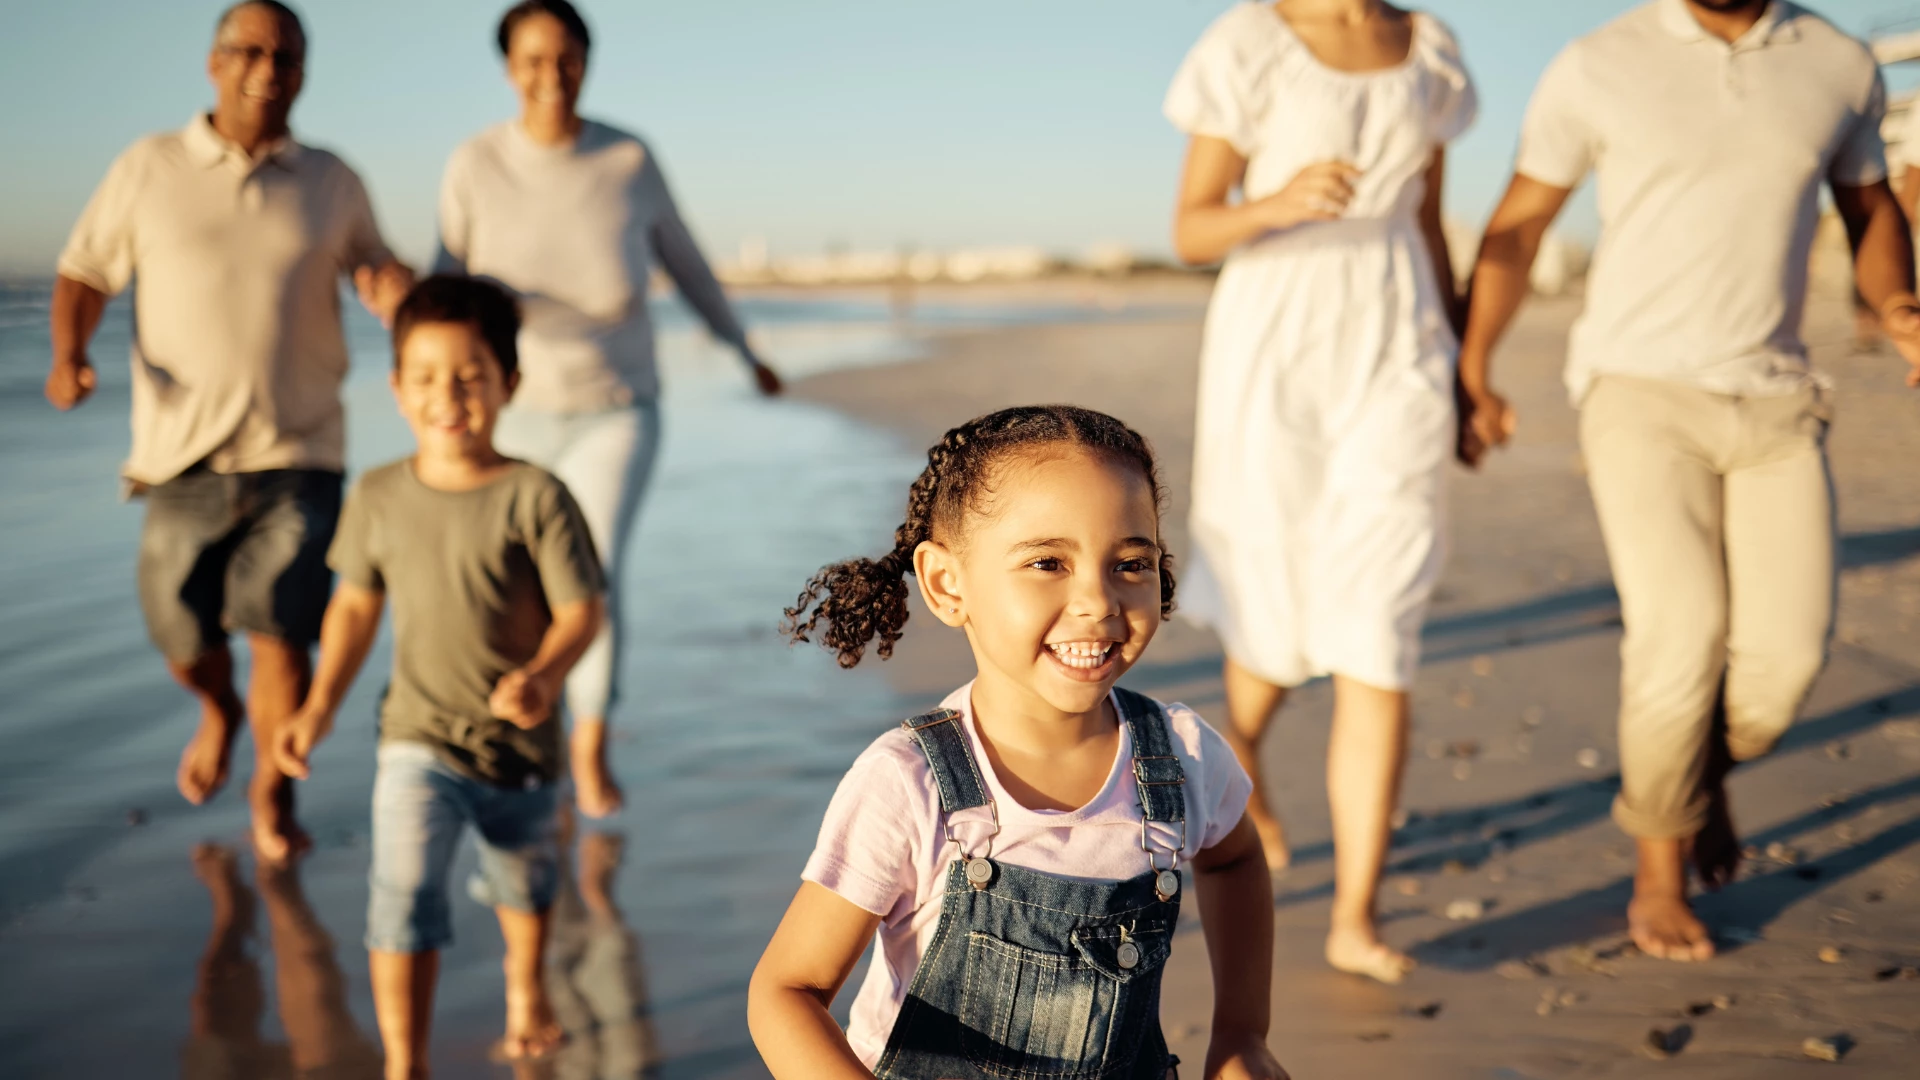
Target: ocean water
137 938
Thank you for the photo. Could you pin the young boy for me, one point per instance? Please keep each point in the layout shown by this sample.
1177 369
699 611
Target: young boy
496 592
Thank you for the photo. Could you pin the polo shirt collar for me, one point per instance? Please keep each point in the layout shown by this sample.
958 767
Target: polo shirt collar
1780 22
210 148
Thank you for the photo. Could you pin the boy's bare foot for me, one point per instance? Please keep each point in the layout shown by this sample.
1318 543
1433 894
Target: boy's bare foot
205 762
595 790
277 837
532 1030
1273 838
1359 952
1665 928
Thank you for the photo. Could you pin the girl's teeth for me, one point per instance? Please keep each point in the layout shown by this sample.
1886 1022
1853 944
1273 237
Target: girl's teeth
1081 654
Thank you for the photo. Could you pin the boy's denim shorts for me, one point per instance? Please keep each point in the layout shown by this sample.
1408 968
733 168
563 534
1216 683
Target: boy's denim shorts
421 806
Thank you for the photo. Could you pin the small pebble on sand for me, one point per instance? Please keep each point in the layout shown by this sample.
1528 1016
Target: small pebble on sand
1723 1001
1520 969
1830 954
1783 854
1454 867
1839 751
1588 758
1570 998
1483 666
1466 909
1545 1008
1465 748
1661 1043
1463 698
1436 749
1533 716
1498 874
1407 886
1822 1049
1462 770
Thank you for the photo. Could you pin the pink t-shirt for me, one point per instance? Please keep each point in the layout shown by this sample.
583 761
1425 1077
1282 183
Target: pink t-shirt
883 845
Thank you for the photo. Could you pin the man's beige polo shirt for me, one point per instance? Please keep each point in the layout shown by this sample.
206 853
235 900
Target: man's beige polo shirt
238 351
1710 158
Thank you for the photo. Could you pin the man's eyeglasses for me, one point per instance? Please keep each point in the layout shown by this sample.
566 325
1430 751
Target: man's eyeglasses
285 60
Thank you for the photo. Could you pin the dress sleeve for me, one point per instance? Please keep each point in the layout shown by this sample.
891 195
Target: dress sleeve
1453 103
1209 95
351 555
866 851
100 250
562 547
1862 157
1558 143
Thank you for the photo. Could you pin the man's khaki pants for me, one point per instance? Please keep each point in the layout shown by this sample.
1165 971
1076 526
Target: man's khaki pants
1718 518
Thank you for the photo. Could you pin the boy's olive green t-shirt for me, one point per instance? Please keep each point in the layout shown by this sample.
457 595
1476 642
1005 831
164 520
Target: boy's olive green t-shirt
472 577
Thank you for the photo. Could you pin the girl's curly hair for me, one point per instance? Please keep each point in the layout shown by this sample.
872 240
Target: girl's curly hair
849 604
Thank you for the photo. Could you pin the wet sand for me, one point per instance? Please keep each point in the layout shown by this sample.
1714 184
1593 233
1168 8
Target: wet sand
1514 758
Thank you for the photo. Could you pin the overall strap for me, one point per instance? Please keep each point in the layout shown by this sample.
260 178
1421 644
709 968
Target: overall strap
945 744
1156 769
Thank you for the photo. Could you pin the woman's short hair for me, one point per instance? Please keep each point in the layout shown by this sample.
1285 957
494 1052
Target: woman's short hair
576 26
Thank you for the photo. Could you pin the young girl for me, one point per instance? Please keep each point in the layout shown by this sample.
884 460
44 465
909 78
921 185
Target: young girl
1018 849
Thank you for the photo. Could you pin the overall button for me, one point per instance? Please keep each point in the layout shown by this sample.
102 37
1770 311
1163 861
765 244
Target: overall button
1167 884
1128 955
979 872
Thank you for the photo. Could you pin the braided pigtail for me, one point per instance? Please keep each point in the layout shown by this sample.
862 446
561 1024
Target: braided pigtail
849 604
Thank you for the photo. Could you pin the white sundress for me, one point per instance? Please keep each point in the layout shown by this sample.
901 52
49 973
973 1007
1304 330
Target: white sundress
1325 420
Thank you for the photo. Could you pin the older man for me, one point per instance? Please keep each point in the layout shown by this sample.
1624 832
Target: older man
1712 125
237 238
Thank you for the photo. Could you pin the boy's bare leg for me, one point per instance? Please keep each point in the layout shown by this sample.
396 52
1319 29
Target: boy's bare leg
532 1030
403 1006
1662 923
209 754
1251 704
281 675
1365 760
597 792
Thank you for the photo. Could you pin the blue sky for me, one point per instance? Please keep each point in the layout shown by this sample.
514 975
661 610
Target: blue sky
856 123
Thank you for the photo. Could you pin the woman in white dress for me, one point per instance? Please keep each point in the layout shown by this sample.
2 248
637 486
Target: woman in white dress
1326 388
573 215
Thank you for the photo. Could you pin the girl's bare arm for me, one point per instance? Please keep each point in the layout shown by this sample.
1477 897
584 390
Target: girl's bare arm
1235 893
811 954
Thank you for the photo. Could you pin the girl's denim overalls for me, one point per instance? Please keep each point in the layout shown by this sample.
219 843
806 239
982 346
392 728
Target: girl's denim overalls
1032 975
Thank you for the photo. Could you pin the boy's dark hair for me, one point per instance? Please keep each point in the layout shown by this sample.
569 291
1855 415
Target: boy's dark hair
559 9
275 6
488 309
862 599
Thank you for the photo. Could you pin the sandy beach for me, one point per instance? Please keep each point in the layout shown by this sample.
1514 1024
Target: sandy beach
1514 757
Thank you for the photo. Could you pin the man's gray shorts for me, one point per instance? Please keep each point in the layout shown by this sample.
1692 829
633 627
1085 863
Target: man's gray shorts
243 552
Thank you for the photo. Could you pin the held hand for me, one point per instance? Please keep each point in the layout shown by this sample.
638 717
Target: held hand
382 290
1901 321
1319 192
1245 1058
70 382
522 699
293 744
1486 421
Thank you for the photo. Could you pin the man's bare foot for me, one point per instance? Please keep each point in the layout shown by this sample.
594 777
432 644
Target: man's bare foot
595 790
1273 839
277 837
205 762
532 1031
1665 928
1359 952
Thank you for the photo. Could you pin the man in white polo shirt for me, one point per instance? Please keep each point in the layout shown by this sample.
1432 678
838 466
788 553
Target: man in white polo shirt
236 238
1712 126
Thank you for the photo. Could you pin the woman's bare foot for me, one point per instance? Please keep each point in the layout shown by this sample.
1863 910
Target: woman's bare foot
532 1031
1358 952
1665 928
595 789
205 762
277 837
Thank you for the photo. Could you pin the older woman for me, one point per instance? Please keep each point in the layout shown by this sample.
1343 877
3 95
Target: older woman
572 215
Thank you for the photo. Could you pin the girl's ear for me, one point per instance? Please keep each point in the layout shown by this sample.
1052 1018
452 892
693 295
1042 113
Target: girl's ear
938 573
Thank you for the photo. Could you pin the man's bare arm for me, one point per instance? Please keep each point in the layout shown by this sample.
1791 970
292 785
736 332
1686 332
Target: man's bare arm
1883 264
77 307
